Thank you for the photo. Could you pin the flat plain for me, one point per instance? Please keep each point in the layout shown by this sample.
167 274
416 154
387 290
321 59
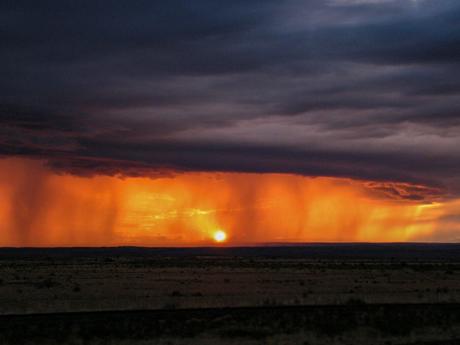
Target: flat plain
310 294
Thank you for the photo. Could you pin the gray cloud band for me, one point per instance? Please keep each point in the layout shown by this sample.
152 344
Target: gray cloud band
365 90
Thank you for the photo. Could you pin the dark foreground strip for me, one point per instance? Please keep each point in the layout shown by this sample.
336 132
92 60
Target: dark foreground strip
255 323
328 251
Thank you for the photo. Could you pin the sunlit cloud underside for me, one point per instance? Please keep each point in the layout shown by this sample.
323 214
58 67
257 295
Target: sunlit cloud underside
205 209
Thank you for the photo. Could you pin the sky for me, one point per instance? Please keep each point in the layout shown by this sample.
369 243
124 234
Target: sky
275 121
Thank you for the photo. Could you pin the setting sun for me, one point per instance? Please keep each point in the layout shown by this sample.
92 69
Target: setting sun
220 236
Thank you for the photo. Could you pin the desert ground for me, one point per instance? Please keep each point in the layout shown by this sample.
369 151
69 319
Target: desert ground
316 294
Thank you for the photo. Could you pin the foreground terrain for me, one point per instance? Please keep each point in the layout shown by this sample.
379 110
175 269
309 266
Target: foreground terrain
317 294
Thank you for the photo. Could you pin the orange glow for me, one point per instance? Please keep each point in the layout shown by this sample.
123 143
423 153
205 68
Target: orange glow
41 208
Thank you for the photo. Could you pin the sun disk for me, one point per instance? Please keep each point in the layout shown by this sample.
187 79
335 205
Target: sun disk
220 236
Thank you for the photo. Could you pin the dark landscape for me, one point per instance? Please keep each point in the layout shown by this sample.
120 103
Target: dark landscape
306 294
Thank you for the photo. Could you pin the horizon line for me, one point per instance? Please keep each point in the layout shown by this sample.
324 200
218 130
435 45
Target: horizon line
249 245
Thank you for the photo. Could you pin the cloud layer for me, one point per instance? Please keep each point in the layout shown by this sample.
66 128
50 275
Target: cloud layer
358 89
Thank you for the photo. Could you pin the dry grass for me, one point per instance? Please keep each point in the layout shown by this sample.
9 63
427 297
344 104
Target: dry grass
355 287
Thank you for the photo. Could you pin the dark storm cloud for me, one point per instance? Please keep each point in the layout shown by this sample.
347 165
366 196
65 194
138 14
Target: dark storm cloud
360 89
